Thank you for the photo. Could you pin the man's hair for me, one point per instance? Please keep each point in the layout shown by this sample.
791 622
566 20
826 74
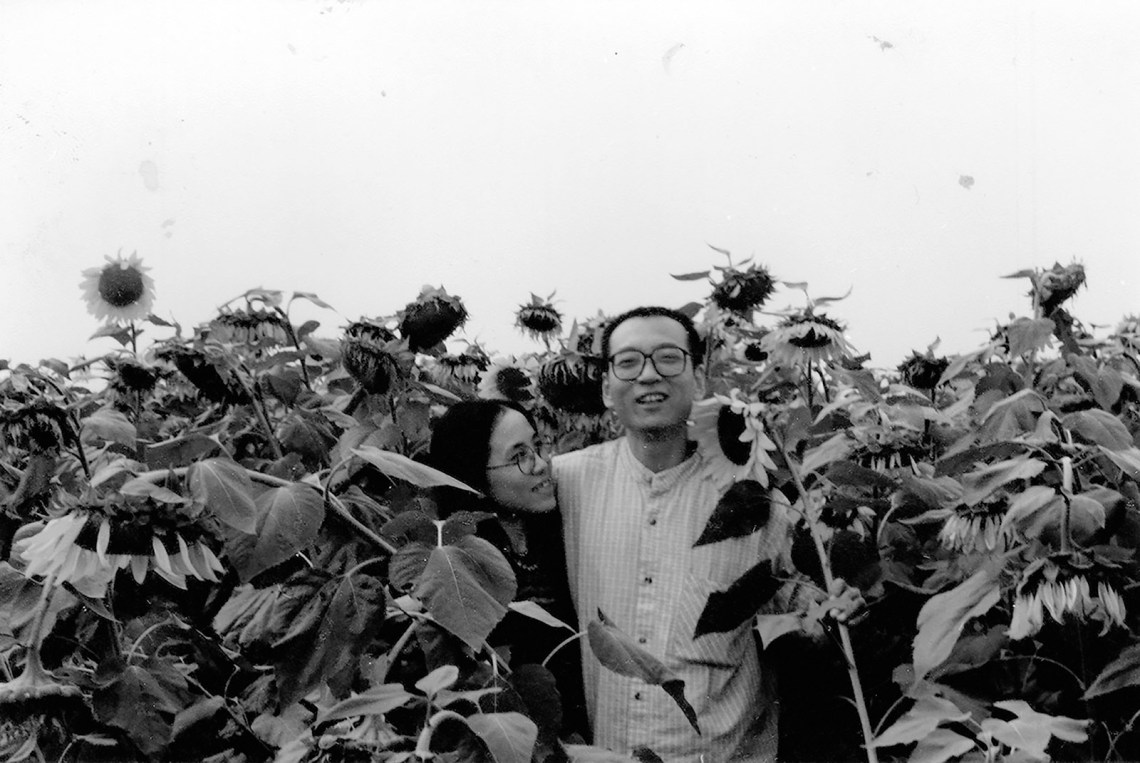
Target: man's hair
696 344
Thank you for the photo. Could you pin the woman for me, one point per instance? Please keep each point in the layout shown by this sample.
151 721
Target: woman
493 446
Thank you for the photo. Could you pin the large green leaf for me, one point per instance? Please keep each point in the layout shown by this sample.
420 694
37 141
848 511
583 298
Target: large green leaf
742 510
940 746
1121 673
1027 334
726 610
376 701
617 652
1106 384
180 451
1031 730
928 713
1099 428
142 700
223 487
833 449
510 737
316 648
288 519
109 425
1127 459
466 587
404 468
942 618
983 482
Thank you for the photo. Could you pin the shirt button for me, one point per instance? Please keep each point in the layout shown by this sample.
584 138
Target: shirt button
642 640
652 521
647 580
637 695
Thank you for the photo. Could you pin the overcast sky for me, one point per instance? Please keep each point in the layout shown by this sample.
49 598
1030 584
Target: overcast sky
912 152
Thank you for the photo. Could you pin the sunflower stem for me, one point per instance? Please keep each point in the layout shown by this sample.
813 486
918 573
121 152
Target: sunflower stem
259 410
844 634
296 343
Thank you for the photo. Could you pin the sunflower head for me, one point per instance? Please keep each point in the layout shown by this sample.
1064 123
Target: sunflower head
36 426
130 376
572 383
465 368
923 371
253 327
742 291
806 336
120 291
209 376
539 319
370 352
431 318
509 379
1052 287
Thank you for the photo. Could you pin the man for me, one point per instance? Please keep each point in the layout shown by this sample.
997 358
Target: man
632 509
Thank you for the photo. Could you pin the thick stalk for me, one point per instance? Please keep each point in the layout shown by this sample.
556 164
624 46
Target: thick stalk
844 634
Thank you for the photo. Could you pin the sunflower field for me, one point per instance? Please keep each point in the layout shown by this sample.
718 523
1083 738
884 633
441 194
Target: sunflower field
222 544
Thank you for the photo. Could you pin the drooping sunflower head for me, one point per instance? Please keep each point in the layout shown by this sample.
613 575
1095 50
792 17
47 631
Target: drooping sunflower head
370 352
206 371
923 371
539 319
130 376
464 368
742 291
432 317
253 327
807 337
1052 287
572 383
37 425
120 291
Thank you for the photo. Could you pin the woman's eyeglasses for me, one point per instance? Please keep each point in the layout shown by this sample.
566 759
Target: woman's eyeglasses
668 361
526 460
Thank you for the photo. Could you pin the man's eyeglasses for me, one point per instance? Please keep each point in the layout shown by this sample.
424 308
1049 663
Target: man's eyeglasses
668 361
526 460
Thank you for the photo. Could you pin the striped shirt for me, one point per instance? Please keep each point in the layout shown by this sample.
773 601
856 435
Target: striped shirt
629 545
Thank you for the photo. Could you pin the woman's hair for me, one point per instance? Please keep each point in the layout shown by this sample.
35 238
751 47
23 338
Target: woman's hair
461 439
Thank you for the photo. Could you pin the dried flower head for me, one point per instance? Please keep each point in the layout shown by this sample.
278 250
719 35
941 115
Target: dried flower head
572 383
1061 586
923 371
431 318
1054 286
742 291
38 425
253 327
539 319
369 354
466 368
206 371
980 529
120 291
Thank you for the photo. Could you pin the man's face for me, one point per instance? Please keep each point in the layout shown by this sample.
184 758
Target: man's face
651 404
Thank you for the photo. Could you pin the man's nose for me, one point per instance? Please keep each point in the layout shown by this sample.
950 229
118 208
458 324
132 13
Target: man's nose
648 371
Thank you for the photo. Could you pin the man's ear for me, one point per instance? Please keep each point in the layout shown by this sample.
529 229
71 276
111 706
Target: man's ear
606 399
699 387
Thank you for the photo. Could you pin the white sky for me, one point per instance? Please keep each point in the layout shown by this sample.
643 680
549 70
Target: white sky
360 149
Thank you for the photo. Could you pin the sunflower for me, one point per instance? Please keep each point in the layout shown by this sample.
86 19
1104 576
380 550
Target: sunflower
1054 286
90 544
432 317
539 319
979 529
510 378
1061 586
730 433
923 371
370 355
120 291
742 291
572 383
257 328
806 337
459 370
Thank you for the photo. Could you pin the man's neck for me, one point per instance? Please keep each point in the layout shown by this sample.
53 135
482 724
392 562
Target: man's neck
658 451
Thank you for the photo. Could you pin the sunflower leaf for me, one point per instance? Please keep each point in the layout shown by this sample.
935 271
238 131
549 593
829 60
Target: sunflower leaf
690 276
726 610
395 465
741 511
288 519
618 652
224 488
466 587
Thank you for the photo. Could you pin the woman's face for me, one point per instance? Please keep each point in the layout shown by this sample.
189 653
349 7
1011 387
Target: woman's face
513 438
